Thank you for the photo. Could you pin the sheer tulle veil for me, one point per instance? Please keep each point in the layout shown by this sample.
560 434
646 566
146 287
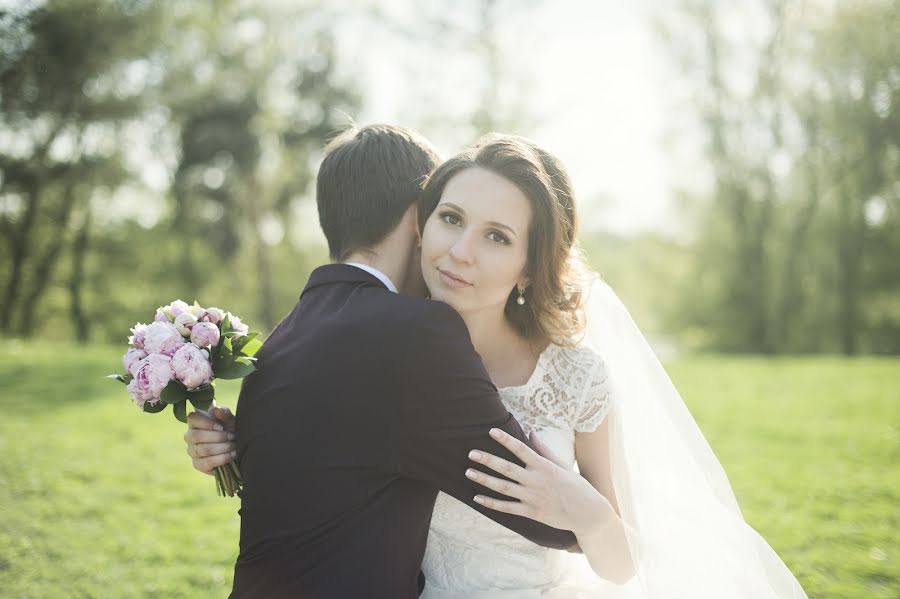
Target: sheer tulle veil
687 535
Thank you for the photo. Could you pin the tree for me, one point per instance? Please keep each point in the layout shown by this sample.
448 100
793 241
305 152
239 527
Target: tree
61 75
803 165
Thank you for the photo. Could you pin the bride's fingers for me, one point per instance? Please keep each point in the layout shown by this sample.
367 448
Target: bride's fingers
518 449
516 508
504 487
544 451
507 469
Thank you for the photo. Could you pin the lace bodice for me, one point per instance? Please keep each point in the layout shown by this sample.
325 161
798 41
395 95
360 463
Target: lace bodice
467 552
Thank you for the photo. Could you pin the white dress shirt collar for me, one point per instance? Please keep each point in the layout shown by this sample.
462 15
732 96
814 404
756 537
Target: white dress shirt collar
375 273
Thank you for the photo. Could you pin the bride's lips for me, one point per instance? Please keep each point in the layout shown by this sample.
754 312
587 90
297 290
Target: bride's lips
452 280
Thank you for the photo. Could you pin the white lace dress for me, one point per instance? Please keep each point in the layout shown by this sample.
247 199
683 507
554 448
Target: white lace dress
471 556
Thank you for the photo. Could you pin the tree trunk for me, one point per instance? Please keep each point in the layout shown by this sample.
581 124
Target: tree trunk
20 243
791 299
79 251
849 253
43 271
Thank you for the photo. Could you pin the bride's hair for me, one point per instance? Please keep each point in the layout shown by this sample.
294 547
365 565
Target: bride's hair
553 307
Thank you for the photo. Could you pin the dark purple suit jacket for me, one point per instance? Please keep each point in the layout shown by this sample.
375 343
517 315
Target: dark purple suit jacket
365 405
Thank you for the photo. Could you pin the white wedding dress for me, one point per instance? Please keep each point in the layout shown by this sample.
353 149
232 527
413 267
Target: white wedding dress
470 556
686 534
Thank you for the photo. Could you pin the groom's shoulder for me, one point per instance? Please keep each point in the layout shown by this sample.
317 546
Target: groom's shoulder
413 315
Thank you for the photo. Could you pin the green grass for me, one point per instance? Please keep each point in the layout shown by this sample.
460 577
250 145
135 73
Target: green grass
99 500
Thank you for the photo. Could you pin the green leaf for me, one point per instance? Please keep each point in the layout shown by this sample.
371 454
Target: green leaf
241 341
201 405
180 410
218 362
151 409
202 398
124 379
173 393
238 369
251 346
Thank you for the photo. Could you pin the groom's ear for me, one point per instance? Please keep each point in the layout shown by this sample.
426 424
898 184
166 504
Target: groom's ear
415 220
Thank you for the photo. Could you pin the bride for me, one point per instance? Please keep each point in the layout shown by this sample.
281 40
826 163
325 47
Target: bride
623 464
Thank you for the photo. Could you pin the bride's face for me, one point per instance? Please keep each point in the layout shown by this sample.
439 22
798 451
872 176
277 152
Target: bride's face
475 243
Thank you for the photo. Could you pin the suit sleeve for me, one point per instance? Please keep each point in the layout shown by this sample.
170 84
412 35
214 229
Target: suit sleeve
447 406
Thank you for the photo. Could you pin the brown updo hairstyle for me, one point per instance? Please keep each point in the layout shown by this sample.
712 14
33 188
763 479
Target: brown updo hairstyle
553 301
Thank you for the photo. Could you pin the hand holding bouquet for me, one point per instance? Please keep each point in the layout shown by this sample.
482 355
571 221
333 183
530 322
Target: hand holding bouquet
176 358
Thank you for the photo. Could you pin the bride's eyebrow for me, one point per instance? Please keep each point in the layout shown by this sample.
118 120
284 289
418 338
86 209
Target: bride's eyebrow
452 205
491 223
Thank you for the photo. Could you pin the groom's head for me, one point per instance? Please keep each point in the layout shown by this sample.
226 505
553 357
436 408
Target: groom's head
367 181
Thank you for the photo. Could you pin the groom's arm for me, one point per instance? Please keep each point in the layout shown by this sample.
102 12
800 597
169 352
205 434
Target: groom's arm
448 406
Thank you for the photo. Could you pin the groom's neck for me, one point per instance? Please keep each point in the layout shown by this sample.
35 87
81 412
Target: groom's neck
386 259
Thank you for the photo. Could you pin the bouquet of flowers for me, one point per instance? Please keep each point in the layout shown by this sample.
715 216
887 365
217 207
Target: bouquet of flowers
176 358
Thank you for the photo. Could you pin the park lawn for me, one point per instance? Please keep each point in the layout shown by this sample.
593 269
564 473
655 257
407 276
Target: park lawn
99 500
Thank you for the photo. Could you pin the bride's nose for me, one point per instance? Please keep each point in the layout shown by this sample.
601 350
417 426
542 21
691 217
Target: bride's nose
463 249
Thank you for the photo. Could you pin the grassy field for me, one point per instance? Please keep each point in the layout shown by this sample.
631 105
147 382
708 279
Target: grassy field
99 500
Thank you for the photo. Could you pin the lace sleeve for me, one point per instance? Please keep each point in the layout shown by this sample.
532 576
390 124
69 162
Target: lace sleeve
595 399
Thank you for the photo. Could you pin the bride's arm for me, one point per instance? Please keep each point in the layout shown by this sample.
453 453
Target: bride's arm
559 497
602 540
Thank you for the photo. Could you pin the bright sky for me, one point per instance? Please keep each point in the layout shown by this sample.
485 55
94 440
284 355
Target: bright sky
593 73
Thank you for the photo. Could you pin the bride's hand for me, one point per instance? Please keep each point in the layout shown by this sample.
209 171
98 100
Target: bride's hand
546 491
210 439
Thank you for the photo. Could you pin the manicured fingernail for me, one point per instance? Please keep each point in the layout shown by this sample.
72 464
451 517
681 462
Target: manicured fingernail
231 436
474 455
234 454
471 473
479 499
219 427
495 433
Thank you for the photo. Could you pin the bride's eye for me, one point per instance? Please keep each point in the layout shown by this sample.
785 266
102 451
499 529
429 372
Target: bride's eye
498 237
450 218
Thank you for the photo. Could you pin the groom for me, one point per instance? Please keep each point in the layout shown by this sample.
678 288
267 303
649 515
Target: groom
366 401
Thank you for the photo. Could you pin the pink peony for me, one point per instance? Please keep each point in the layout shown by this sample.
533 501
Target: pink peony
161 317
132 358
172 310
213 315
137 336
205 334
162 338
177 307
192 367
140 390
239 326
184 322
152 374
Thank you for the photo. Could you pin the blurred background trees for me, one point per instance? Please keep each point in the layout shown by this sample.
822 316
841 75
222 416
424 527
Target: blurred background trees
796 241
153 150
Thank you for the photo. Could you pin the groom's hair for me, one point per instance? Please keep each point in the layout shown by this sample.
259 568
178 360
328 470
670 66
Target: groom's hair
368 179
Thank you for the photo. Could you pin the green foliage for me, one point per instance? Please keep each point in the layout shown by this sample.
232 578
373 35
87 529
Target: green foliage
173 393
646 271
234 103
795 244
